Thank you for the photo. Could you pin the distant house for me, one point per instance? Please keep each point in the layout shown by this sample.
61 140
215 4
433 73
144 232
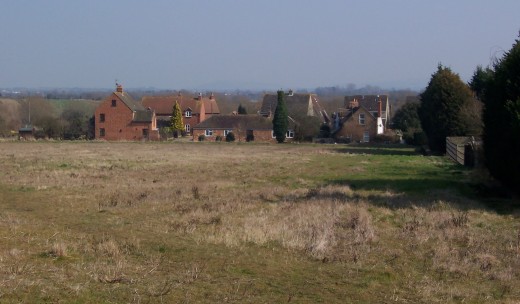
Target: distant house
374 104
298 106
194 110
26 132
250 127
356 124
120 117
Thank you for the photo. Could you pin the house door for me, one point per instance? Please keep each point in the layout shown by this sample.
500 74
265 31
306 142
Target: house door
250 136
145 133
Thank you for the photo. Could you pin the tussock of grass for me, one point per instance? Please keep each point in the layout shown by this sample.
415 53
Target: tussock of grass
131 222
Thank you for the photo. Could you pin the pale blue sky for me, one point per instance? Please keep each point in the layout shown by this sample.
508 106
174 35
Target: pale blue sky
244 44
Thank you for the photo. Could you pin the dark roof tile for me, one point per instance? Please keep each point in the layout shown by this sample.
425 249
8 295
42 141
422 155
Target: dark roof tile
369 102
298 105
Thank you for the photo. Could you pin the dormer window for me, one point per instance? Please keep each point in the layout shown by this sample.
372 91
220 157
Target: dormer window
187 113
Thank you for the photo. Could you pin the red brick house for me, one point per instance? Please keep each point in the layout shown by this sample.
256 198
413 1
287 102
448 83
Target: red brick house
120 117
245 128
194 110
374 104
355 124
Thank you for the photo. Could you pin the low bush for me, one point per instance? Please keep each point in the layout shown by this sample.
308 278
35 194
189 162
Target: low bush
230 137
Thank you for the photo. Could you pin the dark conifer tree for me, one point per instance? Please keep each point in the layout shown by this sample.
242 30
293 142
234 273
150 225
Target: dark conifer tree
502 119
280 118
442 108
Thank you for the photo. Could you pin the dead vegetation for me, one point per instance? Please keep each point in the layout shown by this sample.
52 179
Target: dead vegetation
128 222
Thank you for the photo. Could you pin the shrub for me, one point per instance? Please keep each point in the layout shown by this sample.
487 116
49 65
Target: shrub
386 138
230 137
202 137
250 137
218 138
420 139
324 131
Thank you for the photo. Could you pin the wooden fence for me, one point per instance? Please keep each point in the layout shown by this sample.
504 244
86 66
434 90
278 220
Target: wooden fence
463 150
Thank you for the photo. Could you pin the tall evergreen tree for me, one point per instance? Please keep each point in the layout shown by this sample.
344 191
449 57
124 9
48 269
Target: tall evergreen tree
480 80
241 110
280 118
176 120
442 108
502 119
407 117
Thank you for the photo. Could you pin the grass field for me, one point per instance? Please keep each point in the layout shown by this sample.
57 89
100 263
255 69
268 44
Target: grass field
248 223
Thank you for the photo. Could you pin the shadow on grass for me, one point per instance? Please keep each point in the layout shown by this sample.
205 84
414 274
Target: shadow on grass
378 149
405 193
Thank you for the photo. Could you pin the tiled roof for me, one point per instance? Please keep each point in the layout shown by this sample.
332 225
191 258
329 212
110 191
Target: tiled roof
211 106
369 102
229 122
163 105
143 116
26 128
297 105
129 101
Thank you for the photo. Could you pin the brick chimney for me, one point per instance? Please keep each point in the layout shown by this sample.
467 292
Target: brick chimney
353 104
200 96
380 110
119 88
211 97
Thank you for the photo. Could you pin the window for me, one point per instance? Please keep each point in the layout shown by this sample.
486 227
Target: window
101 117
361 119
289 134
273 135
187 113
187 128
226 132
366 136
209 132
102 132
113 102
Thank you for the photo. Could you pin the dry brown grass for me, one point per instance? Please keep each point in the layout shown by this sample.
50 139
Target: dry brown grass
145 223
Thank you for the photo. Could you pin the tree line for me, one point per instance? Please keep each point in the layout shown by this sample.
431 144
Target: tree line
488 107
51 118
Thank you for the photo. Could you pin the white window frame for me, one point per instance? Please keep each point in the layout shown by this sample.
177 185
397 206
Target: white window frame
187 114
362 118
272 134
289 134
366 136
226 132
187 128
208 132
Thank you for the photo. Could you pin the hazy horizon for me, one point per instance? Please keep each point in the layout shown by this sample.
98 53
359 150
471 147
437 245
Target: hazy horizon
231 44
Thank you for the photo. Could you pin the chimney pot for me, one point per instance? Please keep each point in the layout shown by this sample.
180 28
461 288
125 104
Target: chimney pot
119 88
